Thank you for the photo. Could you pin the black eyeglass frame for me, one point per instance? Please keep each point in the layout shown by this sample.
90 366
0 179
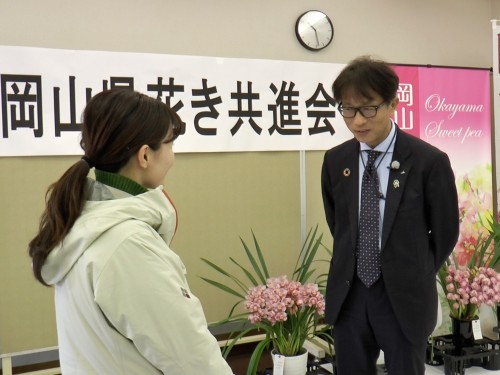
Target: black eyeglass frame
361 110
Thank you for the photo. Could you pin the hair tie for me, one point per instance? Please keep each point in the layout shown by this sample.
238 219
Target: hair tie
87 160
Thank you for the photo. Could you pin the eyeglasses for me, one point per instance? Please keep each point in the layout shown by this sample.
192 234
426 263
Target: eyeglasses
179 128
367 111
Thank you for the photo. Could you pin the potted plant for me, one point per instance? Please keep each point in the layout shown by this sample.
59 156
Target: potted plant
287 310
474 282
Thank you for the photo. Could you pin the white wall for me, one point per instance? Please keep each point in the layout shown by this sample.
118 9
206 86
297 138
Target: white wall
440 32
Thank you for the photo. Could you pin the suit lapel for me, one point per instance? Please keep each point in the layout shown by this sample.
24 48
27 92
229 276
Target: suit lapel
396 183
351 187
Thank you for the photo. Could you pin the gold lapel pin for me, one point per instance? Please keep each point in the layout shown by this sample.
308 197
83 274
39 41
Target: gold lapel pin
347 172
395 183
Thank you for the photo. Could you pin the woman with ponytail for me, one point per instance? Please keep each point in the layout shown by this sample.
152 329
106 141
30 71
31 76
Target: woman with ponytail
123 305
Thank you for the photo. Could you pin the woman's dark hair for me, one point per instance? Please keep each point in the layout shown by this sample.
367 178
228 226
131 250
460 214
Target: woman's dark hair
366 76
115 124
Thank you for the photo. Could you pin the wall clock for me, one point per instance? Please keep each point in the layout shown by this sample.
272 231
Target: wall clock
314 30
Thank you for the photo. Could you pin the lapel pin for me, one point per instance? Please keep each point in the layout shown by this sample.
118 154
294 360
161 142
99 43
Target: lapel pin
395 183
395 165
403 172
347 172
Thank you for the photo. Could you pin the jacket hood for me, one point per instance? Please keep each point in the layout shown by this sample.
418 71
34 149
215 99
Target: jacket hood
152 207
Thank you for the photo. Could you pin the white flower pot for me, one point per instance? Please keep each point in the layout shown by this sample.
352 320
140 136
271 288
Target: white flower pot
295 365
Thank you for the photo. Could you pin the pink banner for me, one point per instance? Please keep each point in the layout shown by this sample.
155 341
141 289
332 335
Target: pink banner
450 108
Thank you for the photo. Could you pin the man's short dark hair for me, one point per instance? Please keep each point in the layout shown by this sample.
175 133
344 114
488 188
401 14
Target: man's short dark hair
365 76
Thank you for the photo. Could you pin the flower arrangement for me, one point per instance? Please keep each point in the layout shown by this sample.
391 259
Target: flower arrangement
468 277
469 288
288 311
476 218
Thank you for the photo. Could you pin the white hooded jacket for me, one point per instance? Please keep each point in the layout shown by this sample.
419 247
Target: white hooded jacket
123 305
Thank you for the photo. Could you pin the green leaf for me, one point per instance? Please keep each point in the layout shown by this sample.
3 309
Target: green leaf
232 341
216 267
223 287
260 274
301 266
307 255
230 315
227 274
253 364
246 272
261 256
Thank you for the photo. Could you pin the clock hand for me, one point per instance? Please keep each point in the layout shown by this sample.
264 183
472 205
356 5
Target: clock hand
315 33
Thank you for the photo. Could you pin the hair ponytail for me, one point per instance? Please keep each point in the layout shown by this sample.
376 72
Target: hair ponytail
116 123
64 203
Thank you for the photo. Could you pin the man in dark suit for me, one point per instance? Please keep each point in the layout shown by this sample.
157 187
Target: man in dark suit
383 296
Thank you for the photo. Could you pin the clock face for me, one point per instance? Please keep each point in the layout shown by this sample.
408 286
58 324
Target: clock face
314 30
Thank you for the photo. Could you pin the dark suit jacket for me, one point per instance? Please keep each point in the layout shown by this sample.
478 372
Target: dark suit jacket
420 228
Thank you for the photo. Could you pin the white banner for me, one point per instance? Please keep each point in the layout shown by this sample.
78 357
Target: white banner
227 104
495 37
